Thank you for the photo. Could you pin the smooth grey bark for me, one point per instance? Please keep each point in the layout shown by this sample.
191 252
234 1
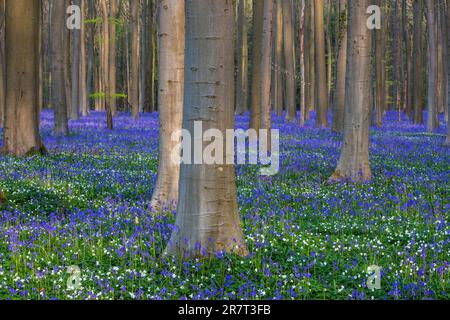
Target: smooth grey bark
76 60
303 100
59 100
134 77
417 62
112 51
21 131
289 60
447 142
278 66
105 77
2 62
320 67
432 122
255 107
207 219
339 101
380 71
242 59
266 68
171 28
354 160
84 103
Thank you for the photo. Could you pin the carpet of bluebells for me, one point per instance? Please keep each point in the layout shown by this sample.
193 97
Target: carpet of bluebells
86 204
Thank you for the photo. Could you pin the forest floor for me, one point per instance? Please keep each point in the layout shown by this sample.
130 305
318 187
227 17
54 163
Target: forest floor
86 205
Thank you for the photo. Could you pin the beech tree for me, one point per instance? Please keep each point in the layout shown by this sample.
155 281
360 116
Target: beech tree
447 142
59 100
2 61
76 60
171 30
432 121
242 59
320 68
354 160
21 128
134 84
207 215
417 62
289 58
255 107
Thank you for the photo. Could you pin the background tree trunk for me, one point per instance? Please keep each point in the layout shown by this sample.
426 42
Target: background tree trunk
320 67
417 62
354 161
76 58
59 100
171 30
21 130
303 100
255 111
266 64
207 216
242 59
134 84
380 70
105 78
289 58
339 101
432 124
2 62
112 51
278 67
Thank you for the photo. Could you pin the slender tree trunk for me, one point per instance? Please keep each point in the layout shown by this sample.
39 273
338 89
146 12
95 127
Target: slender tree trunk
303 100
339 101
354 161
207 216
83 66
432 74
67 61
112 50
106 69
321 77
278 69
307 59
59 101
312 61
171 32
417 62
447 142
255 111
149 101
242 58
289 58
380 70
134 85
21 131
76 59
266 63
2 62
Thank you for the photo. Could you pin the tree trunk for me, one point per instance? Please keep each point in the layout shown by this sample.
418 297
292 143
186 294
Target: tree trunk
303 100
59 100
354 161
2 62
278 67
105 54
289 58
76 56
380 71
432 124
171 28
67 55
320 67
21 132
339 101
112 50
207 219
266 64
311 61
242 58
417 62
149 101
255 111
134 84
447 142
83 66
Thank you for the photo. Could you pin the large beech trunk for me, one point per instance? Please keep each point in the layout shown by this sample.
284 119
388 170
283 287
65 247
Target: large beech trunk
354 161
171 30
320 67
21 132
207 216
